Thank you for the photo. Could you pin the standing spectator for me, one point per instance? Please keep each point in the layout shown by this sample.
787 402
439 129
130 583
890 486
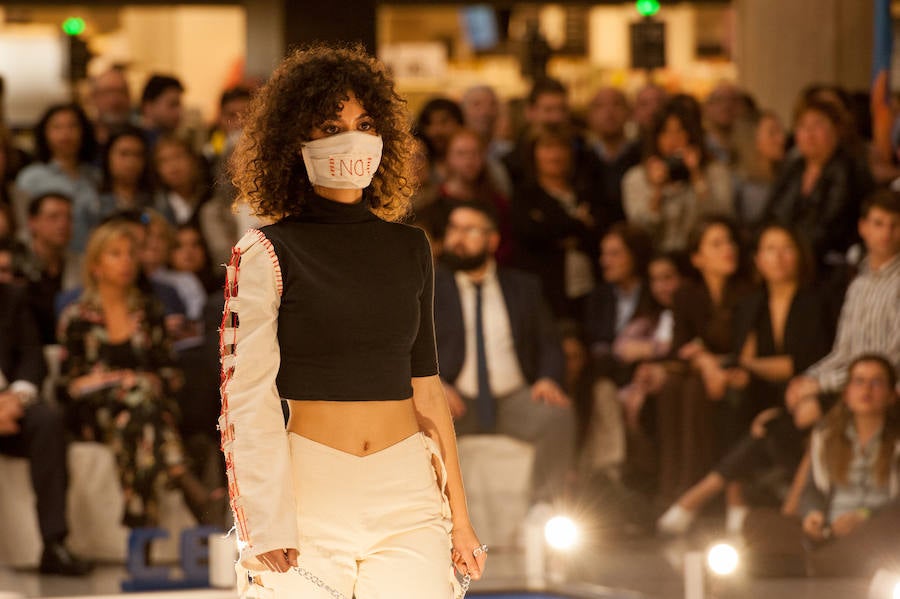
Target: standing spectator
759 144
438 120
111 102
34 430
502 369
677 183
182 180
161 109
120 377
607 117
720 111
819 189
127 177
468 181
554 228
226 131
65 147
48 267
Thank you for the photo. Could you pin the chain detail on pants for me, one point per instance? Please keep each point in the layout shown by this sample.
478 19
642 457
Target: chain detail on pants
335 594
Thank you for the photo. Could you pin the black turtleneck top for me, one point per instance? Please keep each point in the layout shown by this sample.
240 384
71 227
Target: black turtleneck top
355 321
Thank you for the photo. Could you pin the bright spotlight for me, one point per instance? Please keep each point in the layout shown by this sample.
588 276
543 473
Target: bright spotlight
723 559
897 591
561 533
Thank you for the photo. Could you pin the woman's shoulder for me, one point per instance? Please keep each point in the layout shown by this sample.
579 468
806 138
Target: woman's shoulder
32 174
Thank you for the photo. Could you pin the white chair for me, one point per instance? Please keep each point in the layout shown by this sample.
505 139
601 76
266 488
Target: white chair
496 471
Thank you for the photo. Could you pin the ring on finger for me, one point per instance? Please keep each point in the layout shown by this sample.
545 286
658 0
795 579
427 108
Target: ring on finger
479 550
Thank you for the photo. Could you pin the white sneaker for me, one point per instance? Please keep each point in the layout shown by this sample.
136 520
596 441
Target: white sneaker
676 521
734 519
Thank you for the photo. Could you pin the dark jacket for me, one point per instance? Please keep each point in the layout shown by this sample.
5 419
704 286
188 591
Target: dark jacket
21 354
534 333
827 217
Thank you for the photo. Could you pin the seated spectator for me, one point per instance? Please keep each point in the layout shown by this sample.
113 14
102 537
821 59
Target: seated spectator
161 108
554 224
65 147
547 107
182 180
47 266
111 102
438 120
191 254
481 112
782 328
607 117
648 336
720 114
689 407
678 183
759 144
648 103
127 177
623 295
869 322
9 163
467 180
849 518
502 364
819 189
7 261
155 255
34 430
120 377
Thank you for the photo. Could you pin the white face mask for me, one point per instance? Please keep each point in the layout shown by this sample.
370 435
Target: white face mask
344 161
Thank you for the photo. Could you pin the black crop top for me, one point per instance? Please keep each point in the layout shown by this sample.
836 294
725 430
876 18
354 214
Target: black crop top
355 321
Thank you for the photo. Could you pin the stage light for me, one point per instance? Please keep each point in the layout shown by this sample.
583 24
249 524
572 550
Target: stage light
722 559
73 26
885 585
561 533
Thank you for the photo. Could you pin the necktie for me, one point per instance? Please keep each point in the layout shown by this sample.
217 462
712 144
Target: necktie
484 402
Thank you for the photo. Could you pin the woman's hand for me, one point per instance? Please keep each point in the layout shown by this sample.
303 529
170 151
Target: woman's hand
814 525
279 560
691 350
758 428
93 381
691 157
848 522
455 401
465 543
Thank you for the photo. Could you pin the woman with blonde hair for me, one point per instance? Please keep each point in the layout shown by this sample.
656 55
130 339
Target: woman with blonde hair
120 377
330 308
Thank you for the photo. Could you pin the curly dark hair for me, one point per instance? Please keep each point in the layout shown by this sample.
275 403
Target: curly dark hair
88 148
307 89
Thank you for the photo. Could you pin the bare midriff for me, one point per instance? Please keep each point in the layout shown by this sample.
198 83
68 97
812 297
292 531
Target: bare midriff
356 427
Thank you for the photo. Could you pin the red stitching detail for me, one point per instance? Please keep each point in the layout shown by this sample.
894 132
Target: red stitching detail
270 249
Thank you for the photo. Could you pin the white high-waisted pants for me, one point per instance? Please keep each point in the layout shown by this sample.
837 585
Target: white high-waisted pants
372 527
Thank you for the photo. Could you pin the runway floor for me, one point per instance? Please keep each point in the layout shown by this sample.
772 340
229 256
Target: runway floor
639 569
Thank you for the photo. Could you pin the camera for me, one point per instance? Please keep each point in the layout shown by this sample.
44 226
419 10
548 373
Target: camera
678 170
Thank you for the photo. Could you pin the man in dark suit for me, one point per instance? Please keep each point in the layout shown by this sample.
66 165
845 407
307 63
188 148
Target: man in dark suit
501 359
34 430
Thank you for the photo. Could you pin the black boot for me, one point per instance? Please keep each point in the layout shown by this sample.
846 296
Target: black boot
58 560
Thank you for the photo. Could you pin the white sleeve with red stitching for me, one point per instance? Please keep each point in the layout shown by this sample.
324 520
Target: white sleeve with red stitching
254 439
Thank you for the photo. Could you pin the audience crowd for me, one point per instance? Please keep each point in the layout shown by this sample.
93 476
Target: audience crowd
671 297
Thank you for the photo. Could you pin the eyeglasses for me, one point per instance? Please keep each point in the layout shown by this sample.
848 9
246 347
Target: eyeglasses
876 383
468 231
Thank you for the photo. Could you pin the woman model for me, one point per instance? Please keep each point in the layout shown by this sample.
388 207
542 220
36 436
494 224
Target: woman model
330 308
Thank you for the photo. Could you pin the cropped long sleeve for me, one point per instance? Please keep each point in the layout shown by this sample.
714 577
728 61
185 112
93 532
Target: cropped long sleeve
254 439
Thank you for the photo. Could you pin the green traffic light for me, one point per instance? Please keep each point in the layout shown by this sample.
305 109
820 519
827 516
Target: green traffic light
73 26
647 8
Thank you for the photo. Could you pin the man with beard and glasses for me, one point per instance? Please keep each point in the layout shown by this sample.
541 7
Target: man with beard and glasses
501 360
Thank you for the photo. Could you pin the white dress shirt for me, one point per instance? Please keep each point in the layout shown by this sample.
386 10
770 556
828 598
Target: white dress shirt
504 373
